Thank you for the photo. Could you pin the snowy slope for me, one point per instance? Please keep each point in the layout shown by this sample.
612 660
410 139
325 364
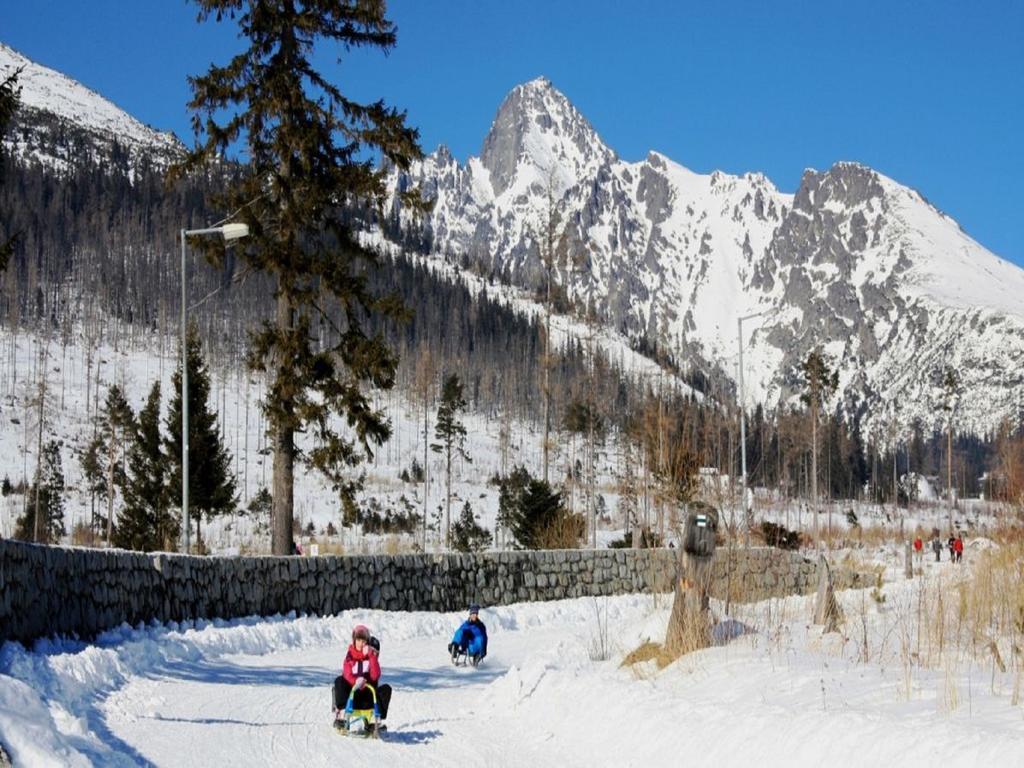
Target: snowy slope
772 691
854 262
48 95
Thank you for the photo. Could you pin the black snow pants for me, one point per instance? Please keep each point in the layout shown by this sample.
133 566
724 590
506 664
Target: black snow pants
363 698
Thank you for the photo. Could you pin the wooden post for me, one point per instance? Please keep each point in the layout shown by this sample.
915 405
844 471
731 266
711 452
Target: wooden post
908 565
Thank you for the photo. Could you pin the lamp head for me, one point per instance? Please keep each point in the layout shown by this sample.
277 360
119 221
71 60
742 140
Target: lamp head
234 231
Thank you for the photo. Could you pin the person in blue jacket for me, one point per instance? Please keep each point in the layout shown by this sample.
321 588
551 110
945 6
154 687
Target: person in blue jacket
470 638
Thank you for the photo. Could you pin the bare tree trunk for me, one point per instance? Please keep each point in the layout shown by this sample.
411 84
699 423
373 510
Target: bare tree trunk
111 463
284 453
814 468
283 480
949 472
448 500
41 526
424 378
426 475
245 445
547 385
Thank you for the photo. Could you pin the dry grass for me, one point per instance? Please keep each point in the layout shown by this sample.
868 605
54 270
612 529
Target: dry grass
953 624
566 532
648 651
990 606
83 535
329 545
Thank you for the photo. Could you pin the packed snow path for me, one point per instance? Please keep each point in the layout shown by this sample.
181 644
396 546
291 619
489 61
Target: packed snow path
257 692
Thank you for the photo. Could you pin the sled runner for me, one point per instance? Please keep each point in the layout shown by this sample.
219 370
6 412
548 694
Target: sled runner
462 658
370 718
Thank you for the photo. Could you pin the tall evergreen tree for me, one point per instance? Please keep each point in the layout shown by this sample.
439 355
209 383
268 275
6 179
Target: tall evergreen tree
820 381
91 462
309 150
9 95
45 500
467 534
451 434
146 522
116 423
211 486
540 514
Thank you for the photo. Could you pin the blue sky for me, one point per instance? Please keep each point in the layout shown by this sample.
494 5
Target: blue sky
929 93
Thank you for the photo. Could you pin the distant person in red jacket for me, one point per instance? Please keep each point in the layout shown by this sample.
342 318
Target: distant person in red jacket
958 547
360 668
918 548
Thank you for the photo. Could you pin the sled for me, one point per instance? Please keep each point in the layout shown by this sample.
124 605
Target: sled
462 658
370 718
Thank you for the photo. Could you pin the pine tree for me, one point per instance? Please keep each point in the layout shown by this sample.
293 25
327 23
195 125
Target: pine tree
582 418
91 462
467 534
260 506
146 522
820 381
45 500
511 489
116 422
452 436
307 146
629 506
9 95
211 486
534 513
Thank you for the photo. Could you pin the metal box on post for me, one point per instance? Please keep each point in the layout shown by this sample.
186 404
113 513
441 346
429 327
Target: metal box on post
699 532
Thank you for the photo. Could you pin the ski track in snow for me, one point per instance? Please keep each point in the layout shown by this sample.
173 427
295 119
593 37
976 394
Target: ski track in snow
257 692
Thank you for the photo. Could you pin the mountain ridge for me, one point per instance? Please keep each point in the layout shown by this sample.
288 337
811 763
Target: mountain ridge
46 92
852 262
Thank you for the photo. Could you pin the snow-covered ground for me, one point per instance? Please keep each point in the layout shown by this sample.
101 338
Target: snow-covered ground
771 691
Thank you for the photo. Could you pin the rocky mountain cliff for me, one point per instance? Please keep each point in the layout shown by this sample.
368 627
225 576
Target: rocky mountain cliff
890 287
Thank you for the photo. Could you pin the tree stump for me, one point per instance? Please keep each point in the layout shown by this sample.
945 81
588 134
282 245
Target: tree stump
689 626
826 609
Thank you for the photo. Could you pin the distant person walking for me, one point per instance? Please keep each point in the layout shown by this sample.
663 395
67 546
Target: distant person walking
937 548
951 543
918 548
958 547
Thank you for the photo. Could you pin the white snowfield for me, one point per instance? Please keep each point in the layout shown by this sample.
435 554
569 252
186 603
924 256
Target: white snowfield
772 691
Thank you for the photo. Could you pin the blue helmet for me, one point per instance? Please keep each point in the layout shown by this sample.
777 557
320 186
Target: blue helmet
474 608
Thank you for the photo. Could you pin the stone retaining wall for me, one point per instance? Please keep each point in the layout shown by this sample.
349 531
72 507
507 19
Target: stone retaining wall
48 591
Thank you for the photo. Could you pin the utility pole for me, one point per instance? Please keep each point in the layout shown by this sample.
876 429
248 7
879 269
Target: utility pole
743 433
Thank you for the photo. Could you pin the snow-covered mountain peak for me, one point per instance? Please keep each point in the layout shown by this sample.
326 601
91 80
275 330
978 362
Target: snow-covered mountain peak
45 91
538 136
852 261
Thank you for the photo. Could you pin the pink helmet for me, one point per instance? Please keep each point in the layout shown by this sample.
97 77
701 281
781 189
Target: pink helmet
361 631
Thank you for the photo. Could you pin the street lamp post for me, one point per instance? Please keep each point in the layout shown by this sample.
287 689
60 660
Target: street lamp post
229 232
743 433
